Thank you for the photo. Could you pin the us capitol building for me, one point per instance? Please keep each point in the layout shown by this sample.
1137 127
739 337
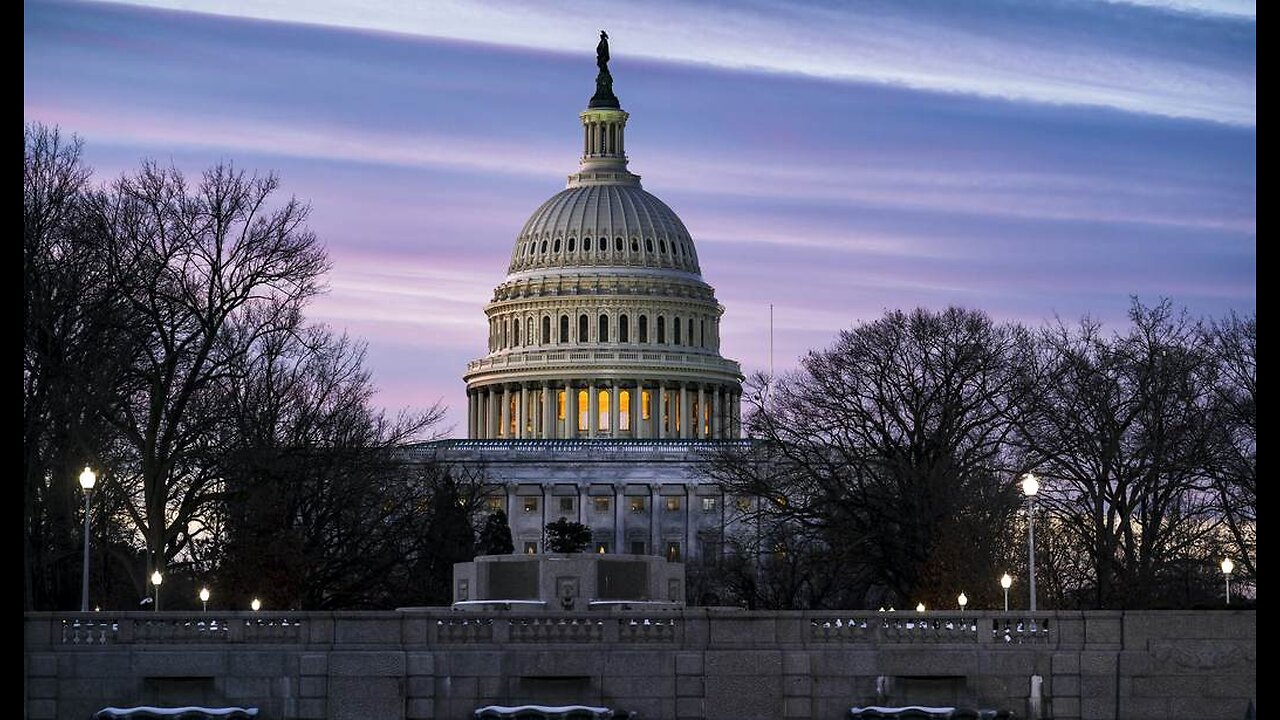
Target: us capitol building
603 383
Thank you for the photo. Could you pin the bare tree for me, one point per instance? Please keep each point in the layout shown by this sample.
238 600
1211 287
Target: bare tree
1234 464
1120 434
206 272
881 441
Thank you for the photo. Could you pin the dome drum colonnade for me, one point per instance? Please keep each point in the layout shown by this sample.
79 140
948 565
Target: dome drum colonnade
604 327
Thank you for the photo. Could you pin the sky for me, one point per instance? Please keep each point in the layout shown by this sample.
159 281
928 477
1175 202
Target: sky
1034 159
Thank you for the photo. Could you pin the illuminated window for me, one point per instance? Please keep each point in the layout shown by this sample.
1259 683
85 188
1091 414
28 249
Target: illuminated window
673 504
531 548
583 411
531 410
624 329
709 504
706 420
600 504
530 504
644 329
582 328
546 330
666 410
743 502
602 329
646 403
560 405
566 504
564 328
624 409
513 416
602 400
693 410
602 548
494 503
637 504
673 552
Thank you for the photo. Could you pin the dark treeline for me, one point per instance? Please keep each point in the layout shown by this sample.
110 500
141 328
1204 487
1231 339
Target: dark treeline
887 465
235 443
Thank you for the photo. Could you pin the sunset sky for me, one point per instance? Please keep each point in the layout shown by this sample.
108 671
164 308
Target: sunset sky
834 159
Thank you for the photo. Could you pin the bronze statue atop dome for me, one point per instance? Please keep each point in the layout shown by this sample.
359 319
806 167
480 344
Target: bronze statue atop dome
604 97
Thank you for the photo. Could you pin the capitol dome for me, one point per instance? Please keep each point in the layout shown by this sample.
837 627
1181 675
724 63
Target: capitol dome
603 326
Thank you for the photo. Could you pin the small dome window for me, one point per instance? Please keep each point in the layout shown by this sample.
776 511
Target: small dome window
555 247
586 244
662 246
570 244
635 245
617 245
544 247
648 244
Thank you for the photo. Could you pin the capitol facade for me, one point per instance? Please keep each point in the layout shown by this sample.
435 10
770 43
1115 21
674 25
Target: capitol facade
603 386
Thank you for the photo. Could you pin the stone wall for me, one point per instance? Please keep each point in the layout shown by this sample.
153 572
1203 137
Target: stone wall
695 663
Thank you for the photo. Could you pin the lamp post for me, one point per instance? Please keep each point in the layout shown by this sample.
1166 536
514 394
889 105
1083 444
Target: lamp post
920 607
157 579
256 605
1006 582
1227 568
963 600
1031 486
87 480
204 598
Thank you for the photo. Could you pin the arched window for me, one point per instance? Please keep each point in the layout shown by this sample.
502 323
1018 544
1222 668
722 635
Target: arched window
675 331
648 244
617 245
702 332
602 400
555 247
528 331
502 339
602 331
624 409
582 328
570 244
515 332
546 330
635 245
662 245
662 330
583 411
644 328
544 247
624 329
564 328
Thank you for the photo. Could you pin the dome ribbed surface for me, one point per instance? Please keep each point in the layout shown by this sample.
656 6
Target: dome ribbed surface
637 229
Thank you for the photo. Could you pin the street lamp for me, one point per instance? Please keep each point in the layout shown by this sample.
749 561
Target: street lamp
204 598
157 579
1227 568
1006 582
1031 486
256 605
963 600
87 480
920 607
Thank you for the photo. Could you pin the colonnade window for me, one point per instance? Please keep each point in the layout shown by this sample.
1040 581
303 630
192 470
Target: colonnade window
600 504
530 504
582 328
564 328
644 329
602 334
583 410
624 409
560 405
646 402
546 330
673 504
636 504
624 329
602 399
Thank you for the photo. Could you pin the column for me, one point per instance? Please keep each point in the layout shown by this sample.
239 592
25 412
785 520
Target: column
701 430
684 410
737 415
717 422
655 531
636 399
660 409
511 507
614 412
491 406
690 531
471 415
504 414
570 410
618 536
521 432
593 410
548 411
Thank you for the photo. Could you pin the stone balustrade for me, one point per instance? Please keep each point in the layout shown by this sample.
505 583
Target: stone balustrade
421 664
